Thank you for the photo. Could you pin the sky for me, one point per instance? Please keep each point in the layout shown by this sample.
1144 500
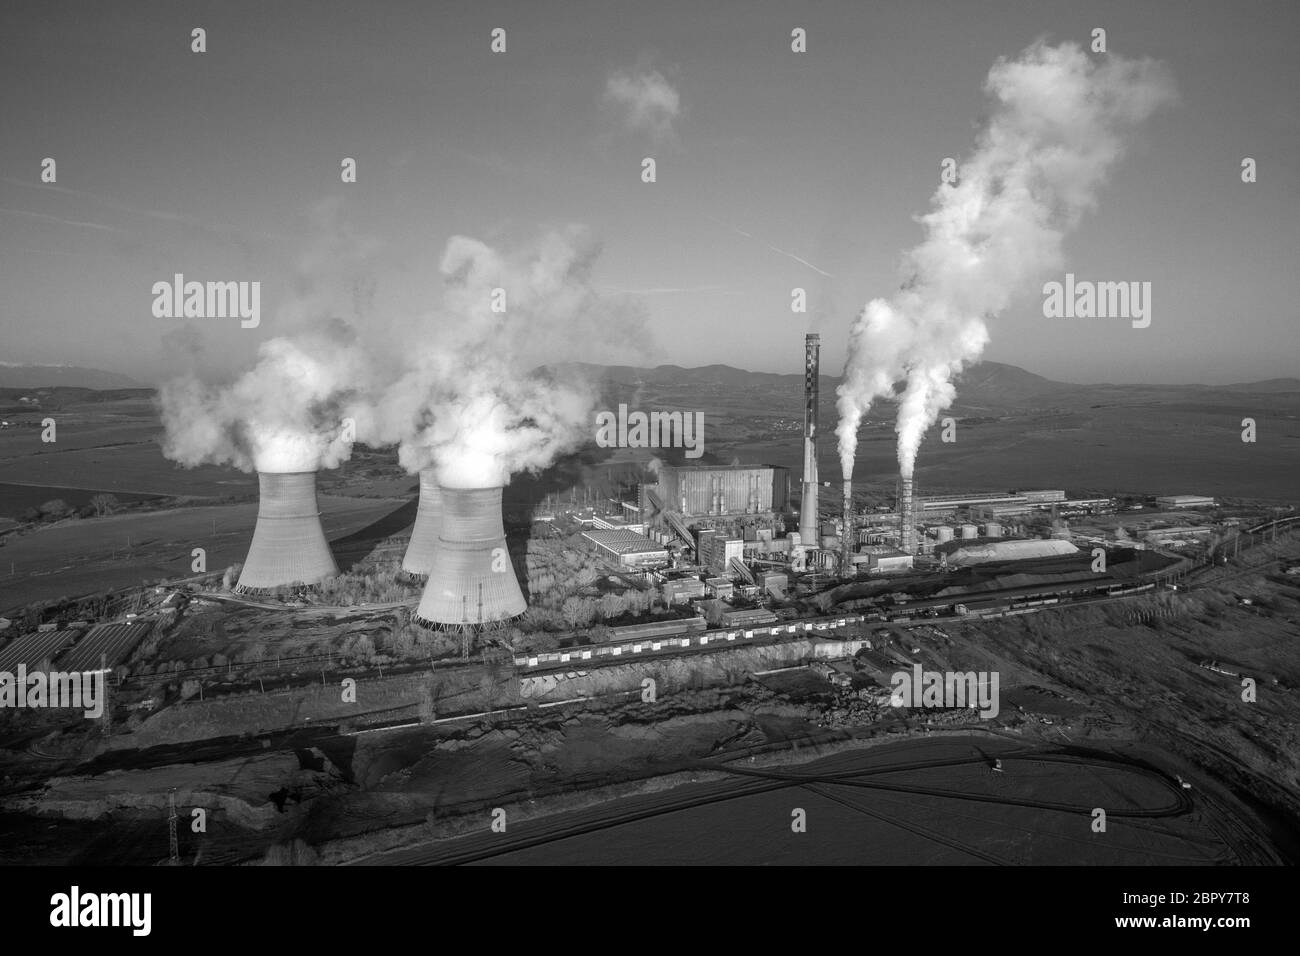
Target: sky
775 170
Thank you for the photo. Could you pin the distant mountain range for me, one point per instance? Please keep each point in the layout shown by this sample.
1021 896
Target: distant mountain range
991 384
14 375
994 382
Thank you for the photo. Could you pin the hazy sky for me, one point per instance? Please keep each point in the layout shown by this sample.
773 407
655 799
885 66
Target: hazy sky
225 165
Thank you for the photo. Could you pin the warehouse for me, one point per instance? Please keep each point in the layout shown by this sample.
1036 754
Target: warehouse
1185 501
632 550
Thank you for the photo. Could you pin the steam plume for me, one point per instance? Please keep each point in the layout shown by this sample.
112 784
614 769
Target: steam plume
1058 126
286 414
473 404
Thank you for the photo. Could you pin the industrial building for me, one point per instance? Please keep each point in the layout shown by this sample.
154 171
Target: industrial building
721 588
289 545
630 549
775 583
699 490
1043 496
882 559
681 590
471 580
1010 551
1185 501
716 550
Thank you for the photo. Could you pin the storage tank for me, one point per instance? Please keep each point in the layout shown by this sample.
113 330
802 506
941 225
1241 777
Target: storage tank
418 559
943 533
992 529
471 580
969 531
289 545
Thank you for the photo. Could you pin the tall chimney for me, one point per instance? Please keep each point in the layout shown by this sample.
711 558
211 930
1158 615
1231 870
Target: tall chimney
808 505
289 545
907 518
846 544
418 560
471 580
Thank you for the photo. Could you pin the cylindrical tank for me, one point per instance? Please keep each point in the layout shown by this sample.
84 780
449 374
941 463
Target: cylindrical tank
943 533
289 545
992 529
418 560
471 580
969 531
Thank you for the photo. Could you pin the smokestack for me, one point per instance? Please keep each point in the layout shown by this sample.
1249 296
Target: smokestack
907 517
471 580
418 560
808 506
289 545
846 544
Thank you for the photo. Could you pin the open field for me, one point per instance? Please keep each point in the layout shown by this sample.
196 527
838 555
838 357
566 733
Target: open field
98 554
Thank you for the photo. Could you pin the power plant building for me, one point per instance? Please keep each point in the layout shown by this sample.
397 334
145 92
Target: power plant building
289 545
700 490
716 550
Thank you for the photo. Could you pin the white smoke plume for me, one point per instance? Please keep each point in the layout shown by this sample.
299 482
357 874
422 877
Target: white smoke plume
473 403
286 414
1058 125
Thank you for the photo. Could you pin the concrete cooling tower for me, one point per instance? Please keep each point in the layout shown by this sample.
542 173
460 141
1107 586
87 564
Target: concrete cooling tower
418 560
471 580
289 545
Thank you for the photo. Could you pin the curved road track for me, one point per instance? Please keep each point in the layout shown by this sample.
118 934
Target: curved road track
872 787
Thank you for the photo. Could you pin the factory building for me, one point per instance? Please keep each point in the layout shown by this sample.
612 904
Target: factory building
681 590
882 559
721 588
947 503
774 583
1039 497
716 550
630 549
699 490
1185 501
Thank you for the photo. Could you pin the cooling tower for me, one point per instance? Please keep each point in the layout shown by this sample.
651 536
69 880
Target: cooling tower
808 503
471 580
289 545
907 519
418 560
